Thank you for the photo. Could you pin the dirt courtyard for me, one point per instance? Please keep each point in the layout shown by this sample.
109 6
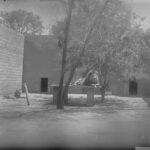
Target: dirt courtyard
118 122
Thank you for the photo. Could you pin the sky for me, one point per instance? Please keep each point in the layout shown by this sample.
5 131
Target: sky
50 12
142 8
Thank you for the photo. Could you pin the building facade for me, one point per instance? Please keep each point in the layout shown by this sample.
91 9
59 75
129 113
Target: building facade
42 69
41 63
11 60
137 85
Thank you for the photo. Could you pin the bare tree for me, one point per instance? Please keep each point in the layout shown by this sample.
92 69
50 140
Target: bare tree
82 25
117 46
64 55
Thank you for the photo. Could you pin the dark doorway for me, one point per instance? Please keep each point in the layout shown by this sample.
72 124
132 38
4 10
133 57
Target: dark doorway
133 88
44 84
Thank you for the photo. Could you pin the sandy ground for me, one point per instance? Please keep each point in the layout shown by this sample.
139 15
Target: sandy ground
118 122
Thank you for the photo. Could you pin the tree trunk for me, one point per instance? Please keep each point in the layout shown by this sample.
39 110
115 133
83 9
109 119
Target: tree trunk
86 40
60 102
27 94
103 90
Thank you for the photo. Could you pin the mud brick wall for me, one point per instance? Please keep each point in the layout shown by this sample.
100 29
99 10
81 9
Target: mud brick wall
41 60
11 60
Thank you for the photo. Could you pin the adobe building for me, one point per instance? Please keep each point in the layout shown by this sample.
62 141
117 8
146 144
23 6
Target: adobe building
41 68
41 63
137 85
11 60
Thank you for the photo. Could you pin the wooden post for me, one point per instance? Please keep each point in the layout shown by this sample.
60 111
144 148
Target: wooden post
90 96
89 90
27 94
55 93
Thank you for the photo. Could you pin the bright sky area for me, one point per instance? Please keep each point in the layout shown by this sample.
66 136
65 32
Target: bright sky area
50 12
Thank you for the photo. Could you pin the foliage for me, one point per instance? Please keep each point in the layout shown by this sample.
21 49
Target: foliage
117 45
23 21
109 39
81 22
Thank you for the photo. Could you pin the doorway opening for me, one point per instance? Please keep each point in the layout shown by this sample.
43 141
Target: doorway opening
44 85
133 87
